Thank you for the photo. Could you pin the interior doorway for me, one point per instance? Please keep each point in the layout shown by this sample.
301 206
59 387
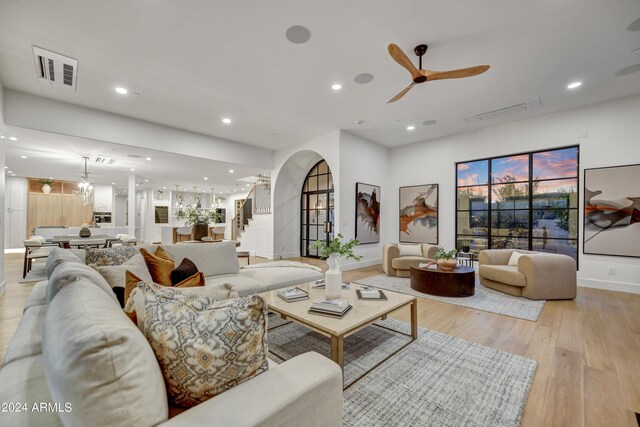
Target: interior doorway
316 209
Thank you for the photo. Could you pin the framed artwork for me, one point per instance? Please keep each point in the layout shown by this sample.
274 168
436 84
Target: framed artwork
419 214
367 213
612 211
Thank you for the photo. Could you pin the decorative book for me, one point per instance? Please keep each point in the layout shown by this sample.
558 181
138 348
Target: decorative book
330 307
370 294
319 284
293 294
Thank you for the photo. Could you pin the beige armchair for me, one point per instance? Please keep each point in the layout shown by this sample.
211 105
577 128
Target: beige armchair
537 276
395 265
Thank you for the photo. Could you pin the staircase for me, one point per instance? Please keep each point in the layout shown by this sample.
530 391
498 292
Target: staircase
253 226
257 237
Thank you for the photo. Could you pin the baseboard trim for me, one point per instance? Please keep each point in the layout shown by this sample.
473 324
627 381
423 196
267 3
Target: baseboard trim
3 287
360 264
606 285
286 255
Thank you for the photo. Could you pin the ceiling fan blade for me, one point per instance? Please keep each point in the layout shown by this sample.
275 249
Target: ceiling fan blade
401 94
454 74
398 55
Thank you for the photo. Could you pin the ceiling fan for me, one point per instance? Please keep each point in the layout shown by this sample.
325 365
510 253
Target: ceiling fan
420 76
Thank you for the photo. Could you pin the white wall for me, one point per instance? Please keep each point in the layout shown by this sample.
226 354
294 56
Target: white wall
119 213
292 166
2 211
15 210
366 162
35 112
103 198
608 134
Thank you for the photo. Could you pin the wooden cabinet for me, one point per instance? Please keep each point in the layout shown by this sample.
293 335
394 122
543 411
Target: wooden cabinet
58 208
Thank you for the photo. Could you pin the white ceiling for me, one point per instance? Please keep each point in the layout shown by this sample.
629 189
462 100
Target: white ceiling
193 62
60 157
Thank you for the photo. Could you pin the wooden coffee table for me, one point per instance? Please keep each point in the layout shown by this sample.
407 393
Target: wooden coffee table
360 316
460 282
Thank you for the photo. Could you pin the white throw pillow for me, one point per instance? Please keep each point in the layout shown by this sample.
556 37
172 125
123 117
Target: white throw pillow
515 256
115 274
410 250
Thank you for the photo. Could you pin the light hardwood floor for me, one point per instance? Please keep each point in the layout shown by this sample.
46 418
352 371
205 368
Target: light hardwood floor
588 350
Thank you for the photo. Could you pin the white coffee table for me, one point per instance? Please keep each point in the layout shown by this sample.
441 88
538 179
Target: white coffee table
363 313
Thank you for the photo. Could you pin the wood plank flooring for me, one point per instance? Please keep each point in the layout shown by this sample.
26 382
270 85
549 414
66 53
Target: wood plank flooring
588 350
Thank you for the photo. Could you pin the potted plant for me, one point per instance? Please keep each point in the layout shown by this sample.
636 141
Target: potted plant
46 185
446 260
465 245
332 252
199 219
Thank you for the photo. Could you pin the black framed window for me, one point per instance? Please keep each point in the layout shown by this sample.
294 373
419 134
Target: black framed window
520 201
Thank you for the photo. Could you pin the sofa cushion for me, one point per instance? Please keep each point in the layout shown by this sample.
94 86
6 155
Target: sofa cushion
59 256
210 258
241 283
513 259
67 273
27 340
196 280
204 347
186 269
97 360
109 256
115 274
409 250
24 381
160 264
281 277
38 295
507 274
405 262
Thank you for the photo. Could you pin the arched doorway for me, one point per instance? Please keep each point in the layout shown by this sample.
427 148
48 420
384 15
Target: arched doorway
316 208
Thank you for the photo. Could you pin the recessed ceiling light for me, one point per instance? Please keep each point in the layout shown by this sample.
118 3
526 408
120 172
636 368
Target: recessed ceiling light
132 170
148 158
2 136
113 183
9 172
429 122
411 127
6 167
13 174
574 85
50 177
184 189
298 34
13 138
226 120
231 171
24 157
336 86
205 178
363 78
146 180
164 188
137 185
121 90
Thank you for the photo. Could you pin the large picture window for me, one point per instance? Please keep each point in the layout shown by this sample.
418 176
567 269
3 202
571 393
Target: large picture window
522 201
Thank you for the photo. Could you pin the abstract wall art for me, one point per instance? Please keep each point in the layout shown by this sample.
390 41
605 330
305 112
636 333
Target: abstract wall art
419 214
367 213
612 211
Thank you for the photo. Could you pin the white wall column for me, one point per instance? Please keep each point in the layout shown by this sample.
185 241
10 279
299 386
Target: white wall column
2 216
131 202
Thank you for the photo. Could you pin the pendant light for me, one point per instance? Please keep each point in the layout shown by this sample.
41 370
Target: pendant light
86 188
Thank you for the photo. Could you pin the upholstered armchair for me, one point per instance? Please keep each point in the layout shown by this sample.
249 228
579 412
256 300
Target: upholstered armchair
536 276
395 265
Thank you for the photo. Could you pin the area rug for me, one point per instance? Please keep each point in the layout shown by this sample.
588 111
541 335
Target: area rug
437 380
484 299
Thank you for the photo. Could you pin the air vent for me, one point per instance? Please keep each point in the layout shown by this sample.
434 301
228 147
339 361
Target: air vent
55 69
502 111
104 160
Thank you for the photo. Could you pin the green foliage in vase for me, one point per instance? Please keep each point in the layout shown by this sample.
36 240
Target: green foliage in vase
193 216
46 181
442 254
336 246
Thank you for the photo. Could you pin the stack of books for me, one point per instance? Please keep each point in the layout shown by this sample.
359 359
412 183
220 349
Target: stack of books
320 284
331 307
293 294
370 293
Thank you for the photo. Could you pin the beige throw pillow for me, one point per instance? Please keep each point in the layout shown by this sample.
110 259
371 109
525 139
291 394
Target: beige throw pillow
115 274
515 256
410 250
204 347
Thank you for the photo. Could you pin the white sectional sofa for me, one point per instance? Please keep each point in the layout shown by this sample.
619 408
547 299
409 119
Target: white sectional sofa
78 360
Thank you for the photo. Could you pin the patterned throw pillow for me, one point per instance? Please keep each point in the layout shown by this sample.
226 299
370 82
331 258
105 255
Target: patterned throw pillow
186 269
410 250
204 347
109 256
